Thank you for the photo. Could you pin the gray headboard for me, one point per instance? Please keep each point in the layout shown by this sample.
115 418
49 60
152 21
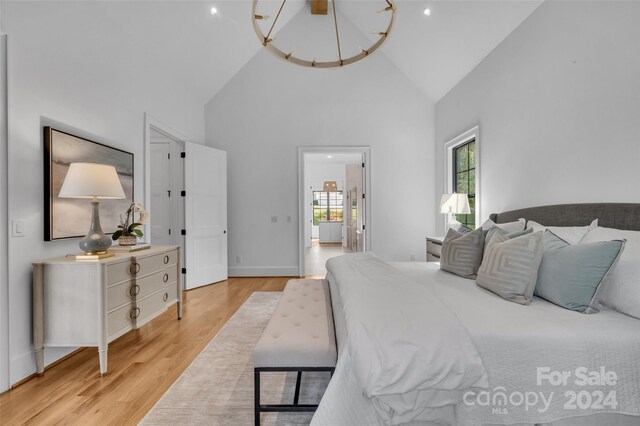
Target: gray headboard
609 215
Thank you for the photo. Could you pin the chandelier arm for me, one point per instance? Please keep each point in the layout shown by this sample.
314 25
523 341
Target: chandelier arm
335 22
288 57
275 20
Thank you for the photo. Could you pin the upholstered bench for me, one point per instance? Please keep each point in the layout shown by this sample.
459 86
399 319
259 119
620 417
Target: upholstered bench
299 337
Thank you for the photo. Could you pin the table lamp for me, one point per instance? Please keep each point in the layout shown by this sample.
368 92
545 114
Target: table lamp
93 181
453 204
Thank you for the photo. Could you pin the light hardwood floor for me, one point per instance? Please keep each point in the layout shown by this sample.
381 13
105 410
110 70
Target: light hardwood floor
142 364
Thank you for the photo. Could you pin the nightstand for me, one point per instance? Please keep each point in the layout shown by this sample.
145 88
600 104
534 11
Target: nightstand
434 248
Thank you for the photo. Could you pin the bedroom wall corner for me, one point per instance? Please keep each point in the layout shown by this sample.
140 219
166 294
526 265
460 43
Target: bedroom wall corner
557 104
271 107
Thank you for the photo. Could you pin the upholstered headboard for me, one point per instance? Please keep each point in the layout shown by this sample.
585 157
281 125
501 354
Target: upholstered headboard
609 215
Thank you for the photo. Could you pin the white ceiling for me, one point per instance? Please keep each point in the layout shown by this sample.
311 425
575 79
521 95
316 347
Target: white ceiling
181 40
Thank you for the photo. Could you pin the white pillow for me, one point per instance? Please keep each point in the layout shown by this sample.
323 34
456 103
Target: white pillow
509 227
621 291
571 234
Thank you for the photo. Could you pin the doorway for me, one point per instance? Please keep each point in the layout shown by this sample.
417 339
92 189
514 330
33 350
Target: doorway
333 202
166 184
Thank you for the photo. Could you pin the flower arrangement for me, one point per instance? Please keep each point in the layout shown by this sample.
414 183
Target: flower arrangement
128 226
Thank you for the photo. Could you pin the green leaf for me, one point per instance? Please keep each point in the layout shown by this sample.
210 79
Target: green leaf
133 226
138 232
116 235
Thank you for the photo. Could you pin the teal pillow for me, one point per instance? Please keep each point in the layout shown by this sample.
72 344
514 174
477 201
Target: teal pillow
570 275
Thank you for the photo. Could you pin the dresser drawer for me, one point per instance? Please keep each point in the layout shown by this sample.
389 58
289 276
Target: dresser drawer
151 305
120 318
148 265
120 294
171 258
172 293
117 272
151 283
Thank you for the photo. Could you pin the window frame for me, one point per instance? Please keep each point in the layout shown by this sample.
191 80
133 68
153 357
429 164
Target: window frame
449 169
457 172
329 207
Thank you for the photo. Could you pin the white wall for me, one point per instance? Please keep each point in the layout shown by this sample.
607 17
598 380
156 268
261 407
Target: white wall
271 107
62 73
558 104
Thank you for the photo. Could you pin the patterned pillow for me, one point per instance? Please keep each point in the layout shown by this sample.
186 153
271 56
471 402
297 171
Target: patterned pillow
510 266
462 253
570 275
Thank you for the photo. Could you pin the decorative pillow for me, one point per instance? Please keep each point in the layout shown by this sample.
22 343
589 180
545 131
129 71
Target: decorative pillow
510 227
510 266
621 291
571 234
570 275
510 236
462 253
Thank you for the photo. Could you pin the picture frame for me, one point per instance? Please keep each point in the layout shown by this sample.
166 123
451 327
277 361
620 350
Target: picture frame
66 218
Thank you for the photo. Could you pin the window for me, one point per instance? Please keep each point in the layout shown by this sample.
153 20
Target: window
464 179
327 206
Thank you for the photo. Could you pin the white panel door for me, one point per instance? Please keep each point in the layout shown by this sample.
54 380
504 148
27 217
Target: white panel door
205 173
161 210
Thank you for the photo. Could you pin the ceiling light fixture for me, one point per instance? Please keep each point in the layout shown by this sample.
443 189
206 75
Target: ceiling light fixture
320 7
427 12
213 11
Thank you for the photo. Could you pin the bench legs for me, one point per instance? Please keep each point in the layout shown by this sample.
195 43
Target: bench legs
295 407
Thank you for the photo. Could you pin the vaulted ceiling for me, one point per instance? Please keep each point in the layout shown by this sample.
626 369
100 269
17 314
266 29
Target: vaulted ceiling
184 41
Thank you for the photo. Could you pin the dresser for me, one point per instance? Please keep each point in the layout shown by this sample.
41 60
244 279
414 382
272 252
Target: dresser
434 248
92 303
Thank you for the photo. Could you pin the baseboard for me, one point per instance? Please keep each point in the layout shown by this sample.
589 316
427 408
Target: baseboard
24 365
264 271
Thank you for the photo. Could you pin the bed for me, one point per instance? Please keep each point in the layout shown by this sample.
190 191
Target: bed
505 363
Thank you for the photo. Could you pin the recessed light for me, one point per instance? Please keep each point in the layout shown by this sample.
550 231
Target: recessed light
427 12
213 11
329 156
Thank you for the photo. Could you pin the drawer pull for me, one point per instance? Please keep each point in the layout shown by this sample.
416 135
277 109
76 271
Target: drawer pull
165 297
135 313
166 259
165 278
134 290
134 268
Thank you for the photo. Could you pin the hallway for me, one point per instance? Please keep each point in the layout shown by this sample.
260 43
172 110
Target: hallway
317 255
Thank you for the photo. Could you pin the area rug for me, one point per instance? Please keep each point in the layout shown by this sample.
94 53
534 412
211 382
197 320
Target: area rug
217 388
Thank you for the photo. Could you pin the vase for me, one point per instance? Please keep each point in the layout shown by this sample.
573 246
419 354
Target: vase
128 240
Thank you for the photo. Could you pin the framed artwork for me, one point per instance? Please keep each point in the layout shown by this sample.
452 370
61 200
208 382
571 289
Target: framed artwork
69 217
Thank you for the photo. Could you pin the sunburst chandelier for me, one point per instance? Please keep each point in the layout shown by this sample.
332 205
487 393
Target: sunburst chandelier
320 7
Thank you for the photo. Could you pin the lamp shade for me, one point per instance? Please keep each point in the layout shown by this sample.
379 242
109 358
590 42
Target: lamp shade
454 203
89 180
330 186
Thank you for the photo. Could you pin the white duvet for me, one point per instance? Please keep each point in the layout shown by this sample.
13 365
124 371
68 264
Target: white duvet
513 341
406 349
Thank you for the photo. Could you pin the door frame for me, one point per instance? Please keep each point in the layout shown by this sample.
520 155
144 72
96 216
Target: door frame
302 150
4 220
151 122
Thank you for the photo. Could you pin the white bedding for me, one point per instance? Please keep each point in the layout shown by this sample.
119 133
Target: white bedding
513 341
407 362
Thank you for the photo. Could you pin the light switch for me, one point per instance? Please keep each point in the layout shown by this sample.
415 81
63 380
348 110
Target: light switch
17 228
274 219
289 219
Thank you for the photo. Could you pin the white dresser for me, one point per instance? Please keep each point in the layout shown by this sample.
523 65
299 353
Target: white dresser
91 303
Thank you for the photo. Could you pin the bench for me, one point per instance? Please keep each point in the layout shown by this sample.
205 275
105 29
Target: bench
299 337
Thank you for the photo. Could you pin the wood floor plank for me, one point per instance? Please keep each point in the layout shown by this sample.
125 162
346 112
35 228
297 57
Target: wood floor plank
143 364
